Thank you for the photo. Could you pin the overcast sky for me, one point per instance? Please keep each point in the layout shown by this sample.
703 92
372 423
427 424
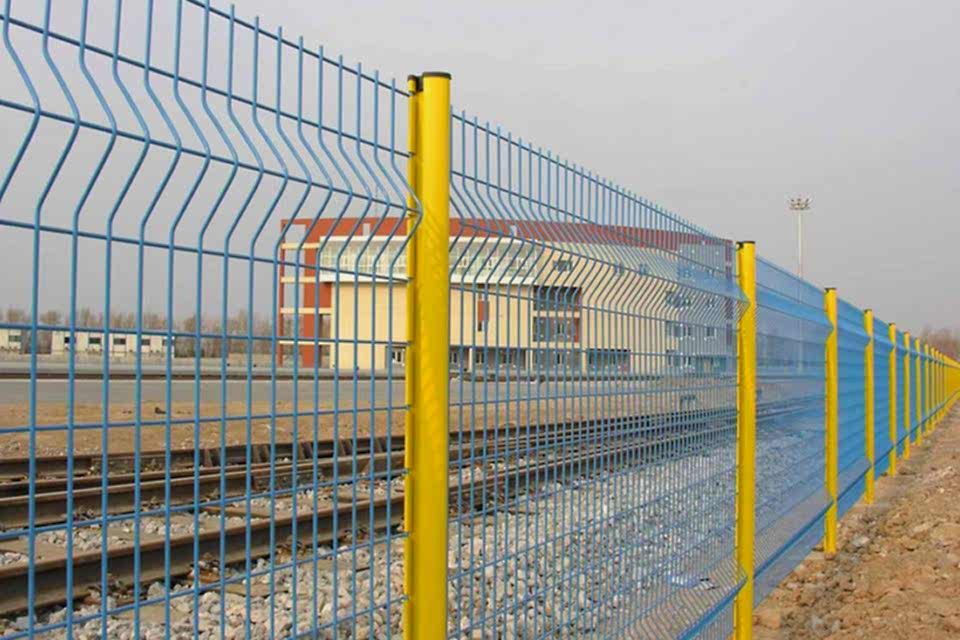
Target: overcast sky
720 111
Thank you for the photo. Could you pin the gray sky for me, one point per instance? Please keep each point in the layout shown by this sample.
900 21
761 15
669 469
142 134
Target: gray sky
719 111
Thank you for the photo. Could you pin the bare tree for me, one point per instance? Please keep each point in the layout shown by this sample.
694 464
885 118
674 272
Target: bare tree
945 340
88 318
17 316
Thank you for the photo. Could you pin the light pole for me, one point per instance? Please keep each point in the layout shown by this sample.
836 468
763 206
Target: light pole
799 206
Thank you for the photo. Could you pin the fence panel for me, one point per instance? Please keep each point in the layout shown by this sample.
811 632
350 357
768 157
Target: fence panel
852 458
187 199
903 399
594 406
218 235
883 446
790 501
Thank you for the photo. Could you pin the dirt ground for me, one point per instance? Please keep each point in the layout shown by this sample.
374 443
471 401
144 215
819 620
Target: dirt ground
51 420
897 574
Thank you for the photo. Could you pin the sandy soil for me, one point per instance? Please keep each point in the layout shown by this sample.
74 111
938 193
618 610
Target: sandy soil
897 574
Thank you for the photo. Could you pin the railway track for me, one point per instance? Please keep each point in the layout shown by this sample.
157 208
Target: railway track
154 554
52 495
655 435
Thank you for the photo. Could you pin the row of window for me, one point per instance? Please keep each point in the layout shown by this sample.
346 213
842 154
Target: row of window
547 360
120 341
682 330
554 329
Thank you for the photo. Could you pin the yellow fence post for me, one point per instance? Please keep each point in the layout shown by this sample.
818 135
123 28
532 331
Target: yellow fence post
918 389
832 418
925 359
928 354
427 367
746 436
868 391
907 414
892 376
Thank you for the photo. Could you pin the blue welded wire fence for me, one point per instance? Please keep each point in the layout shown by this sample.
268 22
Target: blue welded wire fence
791 501
882 443
207 233
606 324
852 461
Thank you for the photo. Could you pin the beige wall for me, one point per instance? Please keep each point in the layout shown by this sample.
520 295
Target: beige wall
620 310
13 339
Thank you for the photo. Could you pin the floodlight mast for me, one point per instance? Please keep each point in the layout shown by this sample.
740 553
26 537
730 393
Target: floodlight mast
800 206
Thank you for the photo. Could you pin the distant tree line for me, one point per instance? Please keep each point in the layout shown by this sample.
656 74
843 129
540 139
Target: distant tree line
946 340
238 324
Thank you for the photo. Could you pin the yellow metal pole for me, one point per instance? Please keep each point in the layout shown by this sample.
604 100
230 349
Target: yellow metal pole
413 160
746 437
925 358
892 374
868 405
928 353
918 389
907 414
832 426
427 381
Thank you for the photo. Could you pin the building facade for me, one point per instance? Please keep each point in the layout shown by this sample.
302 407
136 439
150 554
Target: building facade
93 342
591 301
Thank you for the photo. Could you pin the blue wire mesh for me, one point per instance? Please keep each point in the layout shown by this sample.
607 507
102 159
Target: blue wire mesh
187 200
209 221
852 462
903 406
790 497
594 404
882 445
924 376
913 371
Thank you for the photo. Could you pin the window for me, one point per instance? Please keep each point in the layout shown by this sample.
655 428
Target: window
95 341
397 355
710 332
608 360
679 330
557 360
328 257
365 264
146 341
66 340
479 356
672 358
562 265
119 341
556 298
677 300
560 329
483 307
457 357
15 337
